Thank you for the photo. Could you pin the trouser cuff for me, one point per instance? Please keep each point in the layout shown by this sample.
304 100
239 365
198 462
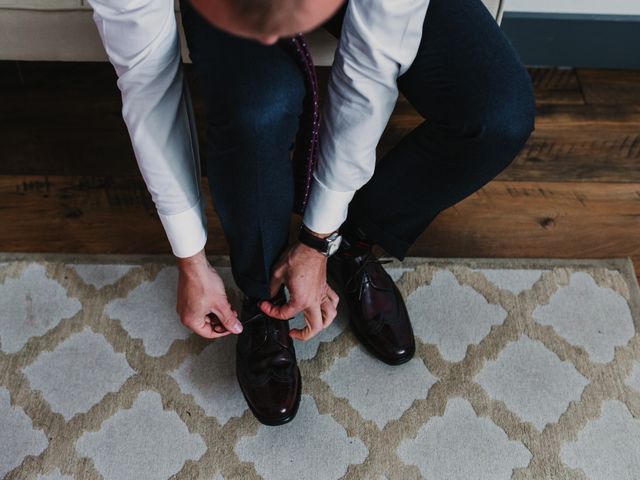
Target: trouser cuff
252 288
391 244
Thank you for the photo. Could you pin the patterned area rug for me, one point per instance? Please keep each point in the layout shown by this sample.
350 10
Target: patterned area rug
524 369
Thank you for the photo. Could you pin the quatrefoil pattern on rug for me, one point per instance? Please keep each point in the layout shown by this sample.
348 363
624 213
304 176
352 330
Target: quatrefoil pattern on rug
524 369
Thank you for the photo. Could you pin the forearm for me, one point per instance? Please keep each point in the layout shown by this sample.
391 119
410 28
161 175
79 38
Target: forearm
141 41
361 95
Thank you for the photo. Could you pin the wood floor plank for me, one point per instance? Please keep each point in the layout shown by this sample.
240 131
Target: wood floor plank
503 219
556 85
570 143
530 219
49 106
573 143
610 86
554 156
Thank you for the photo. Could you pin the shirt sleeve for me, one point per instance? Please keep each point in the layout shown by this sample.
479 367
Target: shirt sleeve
378 42
142 43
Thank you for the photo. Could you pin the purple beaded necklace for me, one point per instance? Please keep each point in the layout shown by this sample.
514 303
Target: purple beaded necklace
305 153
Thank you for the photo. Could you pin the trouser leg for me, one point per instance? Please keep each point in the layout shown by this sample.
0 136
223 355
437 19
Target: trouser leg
253 95
469 84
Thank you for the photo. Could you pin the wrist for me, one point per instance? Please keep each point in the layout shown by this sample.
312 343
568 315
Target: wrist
197 260
317 234
324 243
307 250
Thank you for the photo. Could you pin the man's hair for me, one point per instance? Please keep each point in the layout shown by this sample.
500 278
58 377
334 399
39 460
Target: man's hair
263 16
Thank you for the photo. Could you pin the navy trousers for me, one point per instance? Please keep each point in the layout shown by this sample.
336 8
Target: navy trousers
467 82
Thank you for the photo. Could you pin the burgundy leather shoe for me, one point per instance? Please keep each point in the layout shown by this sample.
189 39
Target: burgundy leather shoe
377 312
266 364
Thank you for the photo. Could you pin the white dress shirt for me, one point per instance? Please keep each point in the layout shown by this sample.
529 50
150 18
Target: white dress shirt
379 41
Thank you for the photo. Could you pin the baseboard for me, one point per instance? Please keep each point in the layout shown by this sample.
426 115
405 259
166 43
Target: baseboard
577 40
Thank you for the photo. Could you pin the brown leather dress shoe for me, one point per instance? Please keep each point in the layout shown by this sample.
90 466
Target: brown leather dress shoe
266 364
377 312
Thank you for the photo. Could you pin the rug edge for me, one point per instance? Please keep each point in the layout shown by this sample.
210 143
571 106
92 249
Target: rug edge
622 264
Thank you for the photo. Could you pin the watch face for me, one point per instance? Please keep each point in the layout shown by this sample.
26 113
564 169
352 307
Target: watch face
334 245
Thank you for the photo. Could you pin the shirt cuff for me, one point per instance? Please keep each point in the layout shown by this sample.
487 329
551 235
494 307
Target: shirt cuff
326 209
186 231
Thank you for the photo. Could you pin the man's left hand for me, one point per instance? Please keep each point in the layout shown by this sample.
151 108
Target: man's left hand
304 271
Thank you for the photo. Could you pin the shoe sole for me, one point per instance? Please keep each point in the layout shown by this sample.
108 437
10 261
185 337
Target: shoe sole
279 421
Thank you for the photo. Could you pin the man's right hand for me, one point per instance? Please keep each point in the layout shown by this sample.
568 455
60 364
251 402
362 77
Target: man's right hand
202 302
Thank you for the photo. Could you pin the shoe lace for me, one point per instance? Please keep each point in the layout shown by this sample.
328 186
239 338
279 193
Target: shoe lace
369 259
280 373
376 323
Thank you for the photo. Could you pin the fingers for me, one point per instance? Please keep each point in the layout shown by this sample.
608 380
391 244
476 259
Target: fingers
216 324
333 296
313 318
329 306
213 325
283 312
228 317
220 329
202 303
329 311
204 329
317 317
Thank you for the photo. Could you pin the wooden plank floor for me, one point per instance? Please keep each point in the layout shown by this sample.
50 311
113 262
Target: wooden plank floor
69 181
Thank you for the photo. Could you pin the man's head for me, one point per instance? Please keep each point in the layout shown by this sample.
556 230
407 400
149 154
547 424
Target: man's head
267 20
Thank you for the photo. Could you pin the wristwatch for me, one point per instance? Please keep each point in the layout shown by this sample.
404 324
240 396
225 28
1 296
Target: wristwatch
327 246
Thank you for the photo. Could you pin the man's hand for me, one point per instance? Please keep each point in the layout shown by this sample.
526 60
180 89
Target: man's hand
304 271
202 303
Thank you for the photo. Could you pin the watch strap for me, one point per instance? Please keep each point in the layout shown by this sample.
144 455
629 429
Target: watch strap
312 241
